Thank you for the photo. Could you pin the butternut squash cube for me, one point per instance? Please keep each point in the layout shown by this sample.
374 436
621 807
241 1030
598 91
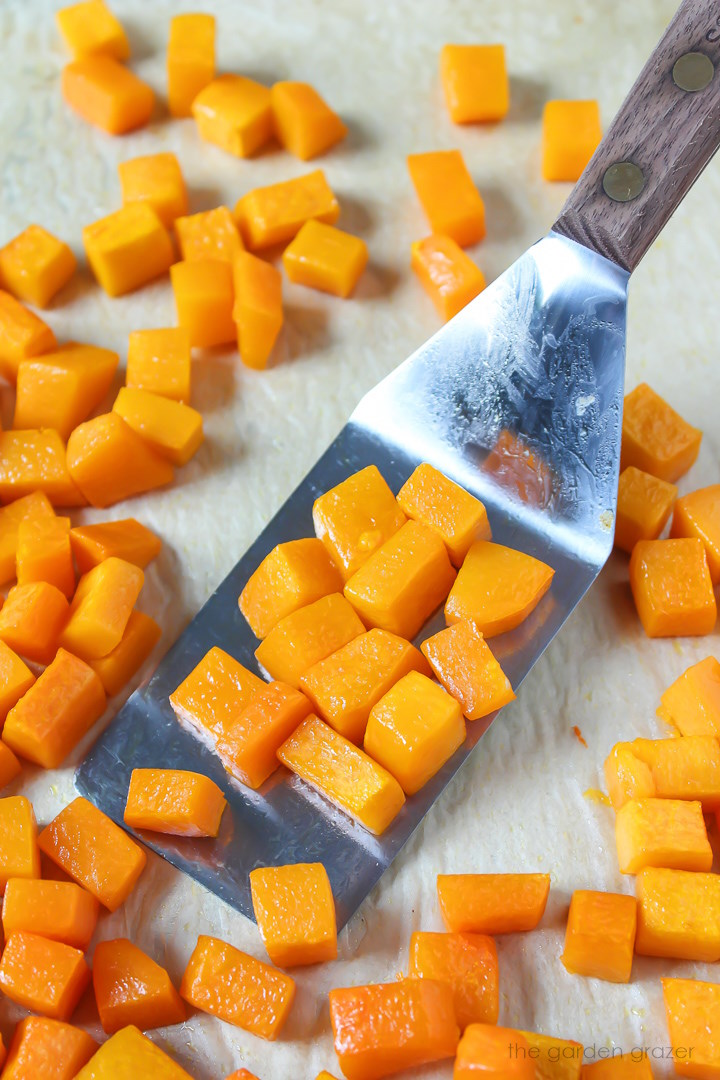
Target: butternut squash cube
90 29
224 982
571 132
109 462
159 361
698 514
157 180
492 903
468 963
128 248
116 669
304 123
19 854
190 60
325 258
30 507
16 678
125 539
671 587
343 774
413 730
56 712
295 913
687 768
274 214
655 438
693 1017
692 702
447 194
22 334
60 389
248 748
44 553
204 301
356 517
475 82
449 276
42 975
211 234
600 935
433 499
175 802
101 607
462 661
106 94
214 694
294 574
10 767
678 914
129 1054
345 686
668 833
497 588
494 1053
244 1074
59 910
632 1066
36 461
553 1058
131 988
643 508
307 636
257 310
47 1048
234 113
174 430
94 852
35 265
32 619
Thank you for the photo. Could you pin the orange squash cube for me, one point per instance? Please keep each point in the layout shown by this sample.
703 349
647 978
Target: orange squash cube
295 913
413 730
693 1017
175 802
56 712
475 82
430 497
570 134
130 988
19 855
274 214
101 608
94 852
248 748
10 767
304 123
35 265
16 678
204 300
214 694
449 276
42 975
116 669
324 1075
60 389
44 553
174 430
242 1074
107 94
210 234
59 910
224 982
47 1048
32 619
655 438
698 514
468 963
345 685
257 310
128 248
344 774
497 588
28 508
492 903
89 28
234 113
325 258
109 462
668 833
129 1054
385 1028
493 1053
643 508
600 935
22 334
190 60
678 914
632 1066
125 539
671 587
293 575
553 1058
159 361
356 517
36 461
157 180
462 661
627 776
447 194
687 768
307 636
692 702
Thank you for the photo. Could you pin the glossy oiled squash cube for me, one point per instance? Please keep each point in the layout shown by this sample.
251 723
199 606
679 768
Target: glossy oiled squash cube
294 574
634 1065
430 497
693 1017
35 265
10 767
32 619
48 1048
19 854
257 309
190 60
295 913
687 768
274 214
30 507
234 113
109 462
655 438
44 553
678 914
131 988
307 636
16 678
60 910
248 746
157 180
22 334
125 539
36 461
447 194
492 903
468 963
89 28
493 1053
107 94
128 248
210 234
174 801
463 662
159 361
128 1055
140 637
174 430
600 935
692 702
698 514
672 589
42 975
204 298
497 587
553 1058
325 258
101 607
60 389
571 132
304 123
475 82
668 833
214 694
449 276
643 508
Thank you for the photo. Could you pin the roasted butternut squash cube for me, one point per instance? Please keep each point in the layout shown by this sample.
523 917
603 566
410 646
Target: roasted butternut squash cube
468 963
32 619
413 730
40 1044
16 678
245 1074
234 113
35 265
343 774
129 1054
36 461
174 801
671 587
492 903
60 910
190 60
159 361
433 499
274 214
668 833
447 194
204 300
128 248
125 539
42 975
644 507
248 748
678 914
22 334
475 82
90 29
131 988
109 462
210 234
307 636
570 134
10 767
295 913
600 935
493 1053
693 1017
698 514
325 258
692 702
294 574
44 553
214 694
627 777
174 430
19 854
554 1058
449 276
632 1066
101 607
106 94
655 438
140 637
60 389
304 123
257 310
462 661
497 588
28 508
155 180
687 768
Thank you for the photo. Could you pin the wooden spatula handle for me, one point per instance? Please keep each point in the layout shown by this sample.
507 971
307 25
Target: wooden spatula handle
662 138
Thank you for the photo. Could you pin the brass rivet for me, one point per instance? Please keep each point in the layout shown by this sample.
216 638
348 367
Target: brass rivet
623 181
693 72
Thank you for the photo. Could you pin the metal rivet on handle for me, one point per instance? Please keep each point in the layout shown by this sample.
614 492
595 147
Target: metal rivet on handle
693 72
623 181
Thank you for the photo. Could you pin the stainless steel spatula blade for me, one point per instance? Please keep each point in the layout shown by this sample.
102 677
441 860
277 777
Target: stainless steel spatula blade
519 399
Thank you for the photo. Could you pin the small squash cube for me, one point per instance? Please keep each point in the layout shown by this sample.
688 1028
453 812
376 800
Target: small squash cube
125 539
693 1017
234 113
245 1074
475 82
553 1057
30 507
449 276
307 636
22 334
129 1054
692 702
190 60
159 361
295 913
16 678
668 833
600 935
40 1044
497 588
248 748
107 94
131 988
571 133
35 266
19 854
60 910
671 587
294 574
698 514
155 179
90 29
643 507
10 767
204 301
128 248
492 903
687 768
463 662
632 1066
468 963
109 462
101 607
325 258
678 914
116 669
60 389
448 195
433 499
174 430
175 802
655 438
344 774
258 310
274 214
32 619
214 694
44 553
304 123
211 234
42 975
224 982
493 1053
36 461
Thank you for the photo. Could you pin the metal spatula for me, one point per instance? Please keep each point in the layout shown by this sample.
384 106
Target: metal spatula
519 399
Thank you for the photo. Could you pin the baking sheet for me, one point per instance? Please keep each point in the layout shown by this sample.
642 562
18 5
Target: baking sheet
518 804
